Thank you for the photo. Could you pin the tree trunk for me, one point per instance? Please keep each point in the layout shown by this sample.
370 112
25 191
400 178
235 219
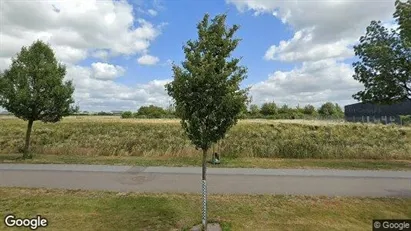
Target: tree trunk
26 152
204 188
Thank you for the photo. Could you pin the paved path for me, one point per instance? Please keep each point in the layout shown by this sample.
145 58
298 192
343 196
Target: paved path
220 180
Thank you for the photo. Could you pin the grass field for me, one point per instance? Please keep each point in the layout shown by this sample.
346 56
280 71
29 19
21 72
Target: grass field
111 136
83 210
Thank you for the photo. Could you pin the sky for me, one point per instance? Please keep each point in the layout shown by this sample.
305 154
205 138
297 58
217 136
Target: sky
119 53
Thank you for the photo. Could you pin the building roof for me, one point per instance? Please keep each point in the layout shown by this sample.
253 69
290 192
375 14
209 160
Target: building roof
358 109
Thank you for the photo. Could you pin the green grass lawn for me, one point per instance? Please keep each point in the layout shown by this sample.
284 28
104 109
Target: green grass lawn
85 210
226 162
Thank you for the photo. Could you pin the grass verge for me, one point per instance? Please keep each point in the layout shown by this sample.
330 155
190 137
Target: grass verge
86 210
226 162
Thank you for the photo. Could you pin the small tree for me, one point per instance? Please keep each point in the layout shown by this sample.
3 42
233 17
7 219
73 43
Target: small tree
127 115
327 109
206 89
33 88
284 109
309 109
269 109
152 111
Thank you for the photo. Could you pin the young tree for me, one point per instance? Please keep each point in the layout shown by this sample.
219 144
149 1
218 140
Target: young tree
269 109
33 88
284 109
126 115
152 111
385 61
206 89
327 109
309 109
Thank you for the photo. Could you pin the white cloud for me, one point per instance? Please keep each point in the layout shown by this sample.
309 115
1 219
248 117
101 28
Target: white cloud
323 29
148 60
105 71
75 28
69 54
314 83
302 47
324 33
152 12
78 29
95 94
100 54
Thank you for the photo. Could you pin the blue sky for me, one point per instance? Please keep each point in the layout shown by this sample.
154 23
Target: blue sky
181 26
296 52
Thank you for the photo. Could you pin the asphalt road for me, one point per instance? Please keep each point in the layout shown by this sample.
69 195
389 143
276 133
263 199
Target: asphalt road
219 180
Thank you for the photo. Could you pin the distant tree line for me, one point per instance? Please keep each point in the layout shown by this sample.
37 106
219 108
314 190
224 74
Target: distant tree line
150 111
101 113
269 110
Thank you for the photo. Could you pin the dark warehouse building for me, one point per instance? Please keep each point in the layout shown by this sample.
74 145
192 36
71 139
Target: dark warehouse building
367 112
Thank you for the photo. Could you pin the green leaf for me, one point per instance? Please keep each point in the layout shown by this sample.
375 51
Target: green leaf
206 87
33 87
384 66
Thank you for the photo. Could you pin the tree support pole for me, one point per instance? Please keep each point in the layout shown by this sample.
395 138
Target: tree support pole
204 190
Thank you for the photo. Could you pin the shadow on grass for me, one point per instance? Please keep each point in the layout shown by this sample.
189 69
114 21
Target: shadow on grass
152 213
133 213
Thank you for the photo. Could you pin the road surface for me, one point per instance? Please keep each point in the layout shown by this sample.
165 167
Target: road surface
220 180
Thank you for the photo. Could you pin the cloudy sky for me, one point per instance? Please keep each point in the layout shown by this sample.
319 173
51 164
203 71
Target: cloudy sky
119 53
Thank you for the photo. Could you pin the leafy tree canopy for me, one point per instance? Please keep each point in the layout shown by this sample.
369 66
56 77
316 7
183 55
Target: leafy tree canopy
327 109
269 108
206 89
151 111
309 109
384 65
33 88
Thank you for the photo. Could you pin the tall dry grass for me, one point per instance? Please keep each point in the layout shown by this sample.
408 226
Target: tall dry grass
111 136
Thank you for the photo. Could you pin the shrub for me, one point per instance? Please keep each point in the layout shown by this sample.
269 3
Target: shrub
406 120
309 109
269 109
152 111
127 115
